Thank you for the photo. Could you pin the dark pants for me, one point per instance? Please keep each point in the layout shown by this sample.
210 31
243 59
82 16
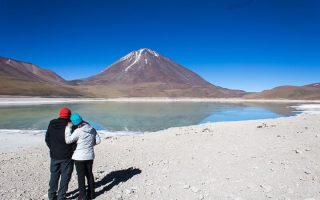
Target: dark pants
60 169
84 169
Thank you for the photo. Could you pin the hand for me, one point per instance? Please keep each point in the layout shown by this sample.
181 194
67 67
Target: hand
69 124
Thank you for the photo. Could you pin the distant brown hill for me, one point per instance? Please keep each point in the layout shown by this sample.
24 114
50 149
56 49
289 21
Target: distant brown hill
306 92
28 72
21 78
145 72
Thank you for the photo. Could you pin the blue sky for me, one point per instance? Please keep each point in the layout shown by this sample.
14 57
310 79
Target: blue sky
243 44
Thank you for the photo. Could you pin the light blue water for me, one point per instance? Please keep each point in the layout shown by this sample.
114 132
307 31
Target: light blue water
140 117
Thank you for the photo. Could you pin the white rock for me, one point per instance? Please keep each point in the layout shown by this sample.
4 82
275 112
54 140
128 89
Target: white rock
307 172
128 191
302 179
186 186
194 190
269 196
165 162
307 149
134 188
297 151
266 188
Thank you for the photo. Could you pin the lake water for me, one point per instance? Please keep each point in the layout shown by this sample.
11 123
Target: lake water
140 117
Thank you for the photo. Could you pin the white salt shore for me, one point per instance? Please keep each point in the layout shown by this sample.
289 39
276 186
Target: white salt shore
15 140
308 108
258 159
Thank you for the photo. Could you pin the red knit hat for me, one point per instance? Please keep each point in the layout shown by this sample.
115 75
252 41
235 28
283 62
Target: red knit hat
65 113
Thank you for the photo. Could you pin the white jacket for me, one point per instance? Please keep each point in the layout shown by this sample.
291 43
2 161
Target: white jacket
86 138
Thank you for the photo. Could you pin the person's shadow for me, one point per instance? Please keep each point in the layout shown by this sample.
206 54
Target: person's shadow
109 181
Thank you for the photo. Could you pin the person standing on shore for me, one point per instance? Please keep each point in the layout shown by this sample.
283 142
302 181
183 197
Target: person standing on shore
61 164
86 137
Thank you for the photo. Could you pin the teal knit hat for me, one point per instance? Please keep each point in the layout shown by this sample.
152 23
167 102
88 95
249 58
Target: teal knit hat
76 119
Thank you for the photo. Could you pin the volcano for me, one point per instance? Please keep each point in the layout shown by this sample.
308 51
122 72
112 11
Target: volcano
147 73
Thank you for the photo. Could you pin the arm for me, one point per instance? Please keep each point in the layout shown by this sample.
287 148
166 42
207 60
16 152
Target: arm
47 138
70 138
98 140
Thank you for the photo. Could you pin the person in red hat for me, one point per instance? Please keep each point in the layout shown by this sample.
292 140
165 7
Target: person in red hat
61 164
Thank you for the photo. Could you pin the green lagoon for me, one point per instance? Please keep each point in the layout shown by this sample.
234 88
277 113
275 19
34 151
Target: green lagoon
141 117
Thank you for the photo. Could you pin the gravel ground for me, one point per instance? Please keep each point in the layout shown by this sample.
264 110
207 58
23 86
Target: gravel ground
259 159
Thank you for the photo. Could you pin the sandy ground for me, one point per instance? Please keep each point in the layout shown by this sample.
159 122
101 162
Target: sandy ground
259 159
17 140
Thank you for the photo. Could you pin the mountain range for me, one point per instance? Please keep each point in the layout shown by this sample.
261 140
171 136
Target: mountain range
26 79
141 73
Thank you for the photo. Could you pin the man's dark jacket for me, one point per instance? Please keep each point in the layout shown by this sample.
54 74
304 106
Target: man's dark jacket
55 140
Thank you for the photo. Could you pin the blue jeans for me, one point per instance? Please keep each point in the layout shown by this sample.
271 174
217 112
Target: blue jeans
60 170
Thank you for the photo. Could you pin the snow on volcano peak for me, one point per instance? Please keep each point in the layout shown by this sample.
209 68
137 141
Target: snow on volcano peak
137 55
152 52
146 50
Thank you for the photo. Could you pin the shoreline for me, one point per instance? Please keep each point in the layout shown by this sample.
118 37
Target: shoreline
10 101
255 159
10 137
